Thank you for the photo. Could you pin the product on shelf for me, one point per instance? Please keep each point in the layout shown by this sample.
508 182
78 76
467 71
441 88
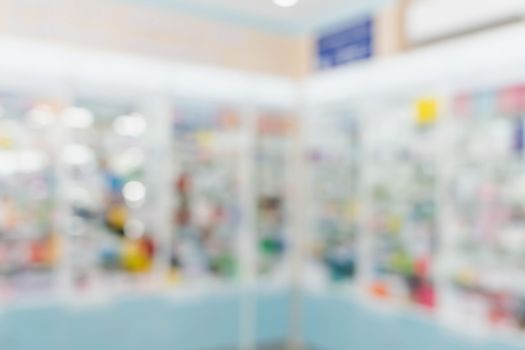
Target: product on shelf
402 218
29 234
333 156
273 186
105 190
208 150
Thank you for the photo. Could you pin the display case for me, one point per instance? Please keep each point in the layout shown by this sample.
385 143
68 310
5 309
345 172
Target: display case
333 160
401 217
274 187
30 238
209 151
483 262
108 216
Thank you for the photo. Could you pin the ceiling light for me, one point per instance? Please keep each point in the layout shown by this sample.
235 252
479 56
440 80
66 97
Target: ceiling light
285 3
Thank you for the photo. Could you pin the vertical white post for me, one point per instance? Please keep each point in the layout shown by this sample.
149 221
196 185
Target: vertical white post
159 177
298 192
366 175
247 240
64 273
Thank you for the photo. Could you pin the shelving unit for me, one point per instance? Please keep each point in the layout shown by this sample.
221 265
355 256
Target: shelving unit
29 234
333 157
483 260
208 150
274 188
402 218
109 220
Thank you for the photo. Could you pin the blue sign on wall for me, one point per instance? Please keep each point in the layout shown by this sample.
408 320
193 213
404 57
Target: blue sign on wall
350 43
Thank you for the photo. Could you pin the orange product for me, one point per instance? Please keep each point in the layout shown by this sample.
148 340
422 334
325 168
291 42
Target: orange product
380 290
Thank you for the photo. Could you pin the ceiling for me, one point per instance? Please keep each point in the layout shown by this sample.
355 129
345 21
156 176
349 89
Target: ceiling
308 15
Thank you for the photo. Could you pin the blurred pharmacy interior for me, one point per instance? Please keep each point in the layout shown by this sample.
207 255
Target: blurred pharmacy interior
262 174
